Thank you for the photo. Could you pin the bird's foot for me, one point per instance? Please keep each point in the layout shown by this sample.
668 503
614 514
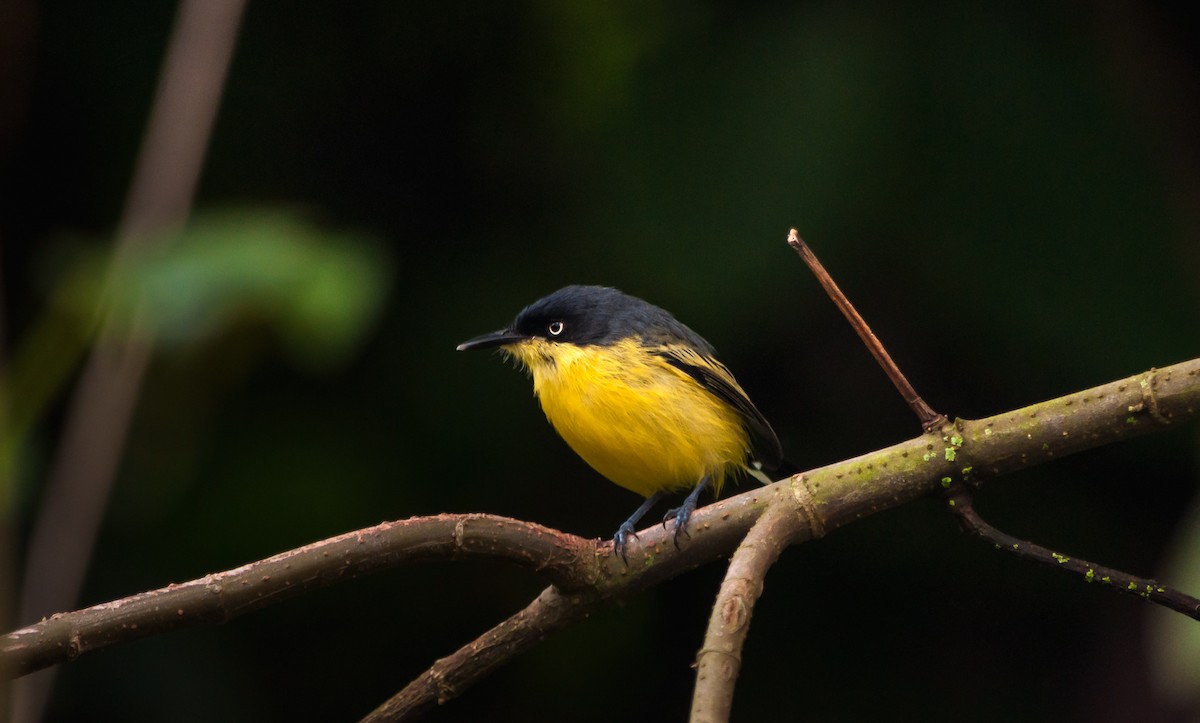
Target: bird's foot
627 530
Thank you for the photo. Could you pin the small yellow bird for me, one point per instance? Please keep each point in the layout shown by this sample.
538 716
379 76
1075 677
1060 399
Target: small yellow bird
639 396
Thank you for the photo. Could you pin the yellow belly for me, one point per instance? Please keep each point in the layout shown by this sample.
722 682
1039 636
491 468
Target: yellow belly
638 421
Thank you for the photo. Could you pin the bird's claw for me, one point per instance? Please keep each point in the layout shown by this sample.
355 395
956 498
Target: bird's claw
681 515
624 533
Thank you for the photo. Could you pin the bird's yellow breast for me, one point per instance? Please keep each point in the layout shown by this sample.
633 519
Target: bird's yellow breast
640 422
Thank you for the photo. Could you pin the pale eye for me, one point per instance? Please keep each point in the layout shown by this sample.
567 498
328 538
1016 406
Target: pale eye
555 328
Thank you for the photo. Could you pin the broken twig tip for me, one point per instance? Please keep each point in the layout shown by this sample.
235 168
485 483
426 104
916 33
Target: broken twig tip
794 239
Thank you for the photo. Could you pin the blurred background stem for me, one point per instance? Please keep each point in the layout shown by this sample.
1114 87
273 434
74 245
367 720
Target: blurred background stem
160 198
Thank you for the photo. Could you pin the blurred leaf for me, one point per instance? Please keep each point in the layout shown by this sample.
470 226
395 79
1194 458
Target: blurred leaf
318 290
1175 639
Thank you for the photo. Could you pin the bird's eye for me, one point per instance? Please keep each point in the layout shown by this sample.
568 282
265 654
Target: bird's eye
555 328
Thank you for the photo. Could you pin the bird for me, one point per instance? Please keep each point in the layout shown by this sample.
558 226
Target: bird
639 396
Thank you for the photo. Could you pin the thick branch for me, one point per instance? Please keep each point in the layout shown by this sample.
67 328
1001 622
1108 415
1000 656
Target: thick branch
222 596
720 660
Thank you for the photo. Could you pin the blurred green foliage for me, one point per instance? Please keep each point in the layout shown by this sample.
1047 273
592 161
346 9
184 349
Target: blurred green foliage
319 291
1005 191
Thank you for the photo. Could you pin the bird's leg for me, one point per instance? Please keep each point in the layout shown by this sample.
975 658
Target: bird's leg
684 512
627 528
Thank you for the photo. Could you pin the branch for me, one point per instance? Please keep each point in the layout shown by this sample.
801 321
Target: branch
550 611
720 660
963 505
822 499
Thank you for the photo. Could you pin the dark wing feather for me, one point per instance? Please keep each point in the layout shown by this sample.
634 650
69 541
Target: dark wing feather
713 376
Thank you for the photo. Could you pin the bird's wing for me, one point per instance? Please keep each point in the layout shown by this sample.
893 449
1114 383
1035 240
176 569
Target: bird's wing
714 377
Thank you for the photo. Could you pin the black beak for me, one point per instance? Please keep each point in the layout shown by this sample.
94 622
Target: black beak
495 338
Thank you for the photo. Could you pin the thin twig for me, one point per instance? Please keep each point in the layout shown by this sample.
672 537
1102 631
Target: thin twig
961 503
720 660
929 418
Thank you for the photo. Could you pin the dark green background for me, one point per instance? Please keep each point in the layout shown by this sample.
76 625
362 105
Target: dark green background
1007 191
